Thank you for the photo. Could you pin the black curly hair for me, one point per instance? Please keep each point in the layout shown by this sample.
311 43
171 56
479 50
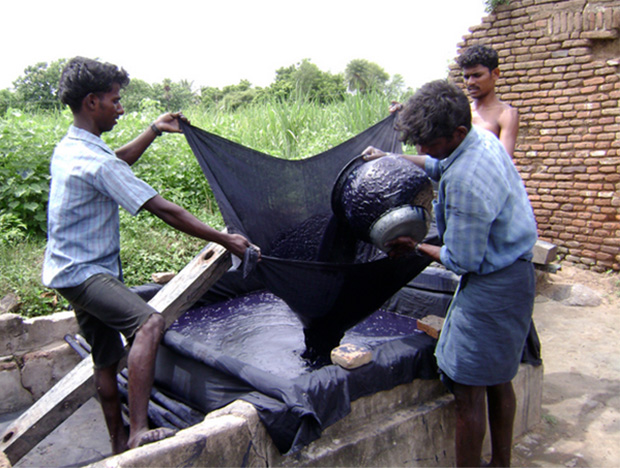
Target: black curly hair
478 55
434 111
82 76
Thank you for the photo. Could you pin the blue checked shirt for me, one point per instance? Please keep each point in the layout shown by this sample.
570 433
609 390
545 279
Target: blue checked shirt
483 213
88 184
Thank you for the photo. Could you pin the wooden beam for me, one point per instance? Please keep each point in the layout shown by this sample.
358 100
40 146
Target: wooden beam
77 386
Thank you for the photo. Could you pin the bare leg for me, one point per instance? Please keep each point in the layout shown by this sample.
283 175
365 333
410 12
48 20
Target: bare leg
470 423
502 407
107 389
141 365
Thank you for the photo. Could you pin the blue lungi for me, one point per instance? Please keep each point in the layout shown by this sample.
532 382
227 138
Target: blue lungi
482 338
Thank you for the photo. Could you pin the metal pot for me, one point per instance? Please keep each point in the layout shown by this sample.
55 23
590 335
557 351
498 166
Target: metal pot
383 199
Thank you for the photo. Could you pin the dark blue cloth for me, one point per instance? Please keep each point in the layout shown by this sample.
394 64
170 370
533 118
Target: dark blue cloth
311 260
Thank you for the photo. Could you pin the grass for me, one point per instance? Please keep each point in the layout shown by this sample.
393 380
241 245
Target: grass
614 278
20 274
290 130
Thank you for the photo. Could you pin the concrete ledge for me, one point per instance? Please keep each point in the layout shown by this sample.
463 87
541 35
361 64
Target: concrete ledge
21 335
410 425
14 395
33 357
224 440
24 379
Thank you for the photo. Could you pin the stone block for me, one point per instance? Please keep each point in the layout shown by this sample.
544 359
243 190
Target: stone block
431 325
9 303
11 331
410 425
544 252
42 331
42 369
14 396
350 356
219 441
378 405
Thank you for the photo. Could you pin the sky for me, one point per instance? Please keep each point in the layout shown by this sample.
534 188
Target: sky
219 43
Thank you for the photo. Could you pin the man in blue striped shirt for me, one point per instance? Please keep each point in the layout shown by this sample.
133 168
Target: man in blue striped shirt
82 262
488 230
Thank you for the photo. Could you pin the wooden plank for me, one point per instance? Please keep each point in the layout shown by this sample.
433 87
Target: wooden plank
77 386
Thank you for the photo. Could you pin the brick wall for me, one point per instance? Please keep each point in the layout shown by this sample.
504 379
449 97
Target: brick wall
560 67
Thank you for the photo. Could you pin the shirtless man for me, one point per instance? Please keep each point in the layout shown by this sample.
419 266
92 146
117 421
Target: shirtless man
480 66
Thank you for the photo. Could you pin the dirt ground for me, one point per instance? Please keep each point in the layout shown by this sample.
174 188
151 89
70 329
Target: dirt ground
580 424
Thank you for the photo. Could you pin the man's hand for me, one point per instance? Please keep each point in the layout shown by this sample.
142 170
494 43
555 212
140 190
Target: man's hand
395 106
401 246
170 122
236 244
371 153
405 245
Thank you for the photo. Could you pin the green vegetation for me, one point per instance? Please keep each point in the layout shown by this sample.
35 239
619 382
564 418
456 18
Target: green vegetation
303 112
36 89
491 5
291 128
614 280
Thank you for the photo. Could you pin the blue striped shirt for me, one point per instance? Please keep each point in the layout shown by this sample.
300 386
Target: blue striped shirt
483 213
88 184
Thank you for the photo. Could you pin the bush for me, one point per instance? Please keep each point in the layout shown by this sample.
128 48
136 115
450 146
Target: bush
26 145
288 129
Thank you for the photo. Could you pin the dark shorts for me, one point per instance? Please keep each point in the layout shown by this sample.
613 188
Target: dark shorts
105 307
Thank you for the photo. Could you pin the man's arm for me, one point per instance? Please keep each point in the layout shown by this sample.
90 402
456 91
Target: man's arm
371 153
404 245
509 128
182 220
132 151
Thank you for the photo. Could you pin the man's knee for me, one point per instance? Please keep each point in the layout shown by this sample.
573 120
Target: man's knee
154 326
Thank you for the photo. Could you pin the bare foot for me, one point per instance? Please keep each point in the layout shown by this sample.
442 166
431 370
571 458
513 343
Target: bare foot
153 435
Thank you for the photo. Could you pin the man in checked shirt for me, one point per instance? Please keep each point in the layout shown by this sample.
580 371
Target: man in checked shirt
82 262
488 229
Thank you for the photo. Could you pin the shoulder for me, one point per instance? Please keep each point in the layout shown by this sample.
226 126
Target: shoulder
507 114
77 138
484 160
77 155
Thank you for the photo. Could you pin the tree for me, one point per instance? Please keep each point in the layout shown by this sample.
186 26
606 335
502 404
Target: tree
363 76
38 87
210 96
174 96
238 95
306 80
284 85
7 99
136 92
396 86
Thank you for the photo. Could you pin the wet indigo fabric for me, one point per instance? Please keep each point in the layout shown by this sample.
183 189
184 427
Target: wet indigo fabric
330 279
225 351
